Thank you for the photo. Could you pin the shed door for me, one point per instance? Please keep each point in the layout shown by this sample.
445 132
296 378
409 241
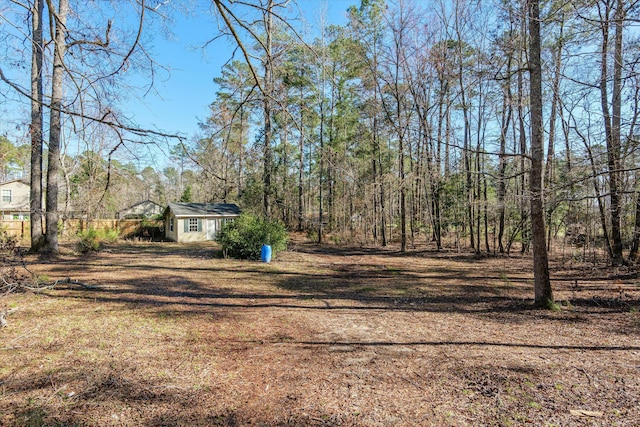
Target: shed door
213 226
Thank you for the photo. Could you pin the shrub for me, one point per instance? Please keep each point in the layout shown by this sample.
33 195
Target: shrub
93 239
150 229
243 238
8 243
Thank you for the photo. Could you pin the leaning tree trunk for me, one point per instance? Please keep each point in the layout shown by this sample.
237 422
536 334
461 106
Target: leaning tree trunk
542 283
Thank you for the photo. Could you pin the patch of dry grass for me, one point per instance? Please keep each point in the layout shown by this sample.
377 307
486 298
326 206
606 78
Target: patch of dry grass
327 335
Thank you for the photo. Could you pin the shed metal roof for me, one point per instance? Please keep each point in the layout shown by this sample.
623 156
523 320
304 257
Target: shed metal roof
204 209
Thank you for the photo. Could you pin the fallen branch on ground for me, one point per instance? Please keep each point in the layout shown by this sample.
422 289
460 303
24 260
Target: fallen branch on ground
34 286
15 276
70 282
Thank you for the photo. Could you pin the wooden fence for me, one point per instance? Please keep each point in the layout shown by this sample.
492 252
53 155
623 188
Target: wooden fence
71 227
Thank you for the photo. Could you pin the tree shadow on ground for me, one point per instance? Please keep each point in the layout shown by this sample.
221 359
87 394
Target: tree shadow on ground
365 285
61 397
464 256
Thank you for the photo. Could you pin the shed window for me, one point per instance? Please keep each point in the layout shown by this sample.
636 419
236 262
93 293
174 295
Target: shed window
6 196
171 225
192 225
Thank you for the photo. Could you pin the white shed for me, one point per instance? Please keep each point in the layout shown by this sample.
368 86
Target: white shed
194 222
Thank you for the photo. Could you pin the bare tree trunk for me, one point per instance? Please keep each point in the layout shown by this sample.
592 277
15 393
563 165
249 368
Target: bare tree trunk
330 154
612 124
633 253
485 202
465 148
403 202
466 152
401 129
523 153
502 184
301 162
549 167
542 282
35 200
55 130
383 215
596 190
321 177
374 168
267 154
614 151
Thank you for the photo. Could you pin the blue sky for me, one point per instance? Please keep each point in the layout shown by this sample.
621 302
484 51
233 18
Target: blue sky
182 96
185 94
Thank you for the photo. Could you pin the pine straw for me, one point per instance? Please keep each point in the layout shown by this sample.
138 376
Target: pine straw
174 335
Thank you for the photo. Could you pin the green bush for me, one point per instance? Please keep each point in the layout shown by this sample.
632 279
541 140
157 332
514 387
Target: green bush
93 239
243 238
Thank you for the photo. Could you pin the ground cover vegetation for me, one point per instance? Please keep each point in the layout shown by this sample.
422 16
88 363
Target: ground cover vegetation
174 334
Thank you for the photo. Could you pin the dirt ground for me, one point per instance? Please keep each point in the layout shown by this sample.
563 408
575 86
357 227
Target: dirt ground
173 335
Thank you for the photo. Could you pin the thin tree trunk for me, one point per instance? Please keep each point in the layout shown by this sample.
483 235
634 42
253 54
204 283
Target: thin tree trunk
383 219
523 152
35 199
267 154
615 178
321 178
502 184
466 137
301 162
633 253
401 133
596 189
612 126
542 282
485 202
467 158
374 168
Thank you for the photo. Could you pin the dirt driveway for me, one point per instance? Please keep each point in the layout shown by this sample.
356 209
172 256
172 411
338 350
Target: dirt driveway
174 335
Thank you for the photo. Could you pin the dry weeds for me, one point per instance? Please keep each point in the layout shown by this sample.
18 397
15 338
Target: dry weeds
322 336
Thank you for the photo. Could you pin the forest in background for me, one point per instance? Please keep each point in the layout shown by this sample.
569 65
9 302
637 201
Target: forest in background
410 123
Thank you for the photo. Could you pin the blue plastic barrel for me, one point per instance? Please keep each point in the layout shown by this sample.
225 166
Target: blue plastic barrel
265 254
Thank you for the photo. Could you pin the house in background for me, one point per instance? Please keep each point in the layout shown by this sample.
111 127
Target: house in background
146 209
14 200
194 222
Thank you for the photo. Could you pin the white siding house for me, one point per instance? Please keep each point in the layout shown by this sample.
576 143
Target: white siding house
14 200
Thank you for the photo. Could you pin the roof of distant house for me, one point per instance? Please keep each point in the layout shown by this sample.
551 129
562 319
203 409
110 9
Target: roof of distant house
144 202
204 209
24 181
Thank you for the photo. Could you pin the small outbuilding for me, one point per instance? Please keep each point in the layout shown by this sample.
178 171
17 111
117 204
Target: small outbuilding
194 222
145 209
